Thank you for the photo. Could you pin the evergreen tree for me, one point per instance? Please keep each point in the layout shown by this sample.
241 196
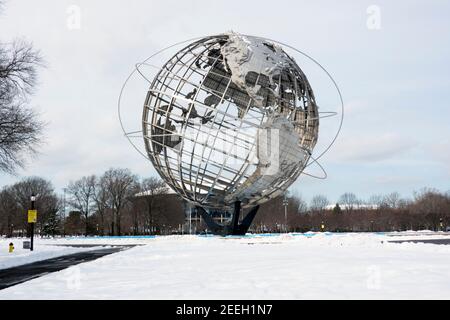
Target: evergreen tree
337 209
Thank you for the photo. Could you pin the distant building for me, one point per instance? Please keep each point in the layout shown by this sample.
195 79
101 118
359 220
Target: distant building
193 222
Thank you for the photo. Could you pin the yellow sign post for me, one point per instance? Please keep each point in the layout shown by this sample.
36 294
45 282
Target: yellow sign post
32 216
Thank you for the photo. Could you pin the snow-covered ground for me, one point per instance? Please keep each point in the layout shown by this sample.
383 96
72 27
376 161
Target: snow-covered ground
292 266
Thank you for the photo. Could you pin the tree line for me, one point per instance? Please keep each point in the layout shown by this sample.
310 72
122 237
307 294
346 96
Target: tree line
429 209
119 202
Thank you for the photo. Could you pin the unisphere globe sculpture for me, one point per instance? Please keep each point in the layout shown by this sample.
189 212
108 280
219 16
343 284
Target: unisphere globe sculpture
230 121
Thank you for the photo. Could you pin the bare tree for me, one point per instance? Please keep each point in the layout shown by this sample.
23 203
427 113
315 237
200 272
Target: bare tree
47 202
392 200
299 204
20 134
82 195
431 206
20 127
8 212
375 199
120 185
302 207
349 201
102 202
319 203
151 187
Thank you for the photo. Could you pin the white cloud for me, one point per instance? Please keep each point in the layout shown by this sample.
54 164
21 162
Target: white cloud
372 148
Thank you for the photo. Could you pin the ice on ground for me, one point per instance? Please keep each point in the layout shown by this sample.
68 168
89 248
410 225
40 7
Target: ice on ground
290 266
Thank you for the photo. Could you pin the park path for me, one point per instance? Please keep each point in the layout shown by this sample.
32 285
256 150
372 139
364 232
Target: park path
16 275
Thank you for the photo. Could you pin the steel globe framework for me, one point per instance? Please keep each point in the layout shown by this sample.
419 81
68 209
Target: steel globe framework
202 128
230 121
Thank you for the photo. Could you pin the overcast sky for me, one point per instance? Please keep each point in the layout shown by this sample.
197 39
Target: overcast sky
390 60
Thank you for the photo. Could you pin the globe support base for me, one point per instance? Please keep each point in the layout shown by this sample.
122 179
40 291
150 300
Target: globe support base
234 228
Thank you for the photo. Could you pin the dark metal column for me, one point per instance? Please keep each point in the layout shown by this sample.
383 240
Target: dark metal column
235 219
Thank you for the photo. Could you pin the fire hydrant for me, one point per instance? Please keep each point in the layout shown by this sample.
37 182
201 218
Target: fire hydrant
11 247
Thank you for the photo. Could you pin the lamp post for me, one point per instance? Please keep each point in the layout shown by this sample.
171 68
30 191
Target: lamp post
32 221
285 204
190 220
64 212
